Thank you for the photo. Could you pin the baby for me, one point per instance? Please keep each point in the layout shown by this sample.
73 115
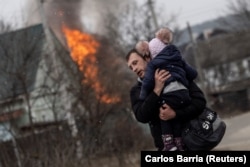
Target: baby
175 93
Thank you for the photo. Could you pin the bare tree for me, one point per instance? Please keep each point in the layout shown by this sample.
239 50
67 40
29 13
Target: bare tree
135 23
240 14
4 27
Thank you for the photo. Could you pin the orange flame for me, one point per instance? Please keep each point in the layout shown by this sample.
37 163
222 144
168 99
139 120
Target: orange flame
83 47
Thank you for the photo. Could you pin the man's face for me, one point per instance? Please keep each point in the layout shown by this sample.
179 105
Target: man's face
137 64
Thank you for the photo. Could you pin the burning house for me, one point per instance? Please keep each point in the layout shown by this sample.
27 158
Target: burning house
49 82
43 67
41 77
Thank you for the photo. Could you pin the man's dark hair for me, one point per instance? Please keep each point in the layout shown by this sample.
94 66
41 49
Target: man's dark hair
134 51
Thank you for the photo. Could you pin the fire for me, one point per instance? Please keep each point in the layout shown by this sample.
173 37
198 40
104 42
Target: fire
83 48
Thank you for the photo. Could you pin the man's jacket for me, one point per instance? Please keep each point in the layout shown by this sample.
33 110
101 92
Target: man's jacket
147 111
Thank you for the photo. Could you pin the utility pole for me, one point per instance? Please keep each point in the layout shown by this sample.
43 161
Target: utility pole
197 63
150 4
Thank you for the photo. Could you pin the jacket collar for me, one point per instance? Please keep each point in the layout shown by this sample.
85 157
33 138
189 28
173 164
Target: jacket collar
139 79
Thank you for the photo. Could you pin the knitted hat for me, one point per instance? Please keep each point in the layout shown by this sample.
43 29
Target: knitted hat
155 47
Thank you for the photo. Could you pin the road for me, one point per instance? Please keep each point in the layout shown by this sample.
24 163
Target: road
237 136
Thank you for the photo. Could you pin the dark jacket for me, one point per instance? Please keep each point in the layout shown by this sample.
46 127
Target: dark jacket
147 111
171 60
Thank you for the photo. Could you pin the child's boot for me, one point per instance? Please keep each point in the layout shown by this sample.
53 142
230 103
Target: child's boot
168 142
179 143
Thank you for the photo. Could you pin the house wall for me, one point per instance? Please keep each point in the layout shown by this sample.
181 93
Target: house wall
50 99
220 75
49 81
225 63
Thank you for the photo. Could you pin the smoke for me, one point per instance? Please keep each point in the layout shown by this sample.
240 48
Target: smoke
63 12
84 15
95 12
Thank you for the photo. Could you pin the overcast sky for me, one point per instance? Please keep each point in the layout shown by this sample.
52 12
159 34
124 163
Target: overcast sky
12 11
192 11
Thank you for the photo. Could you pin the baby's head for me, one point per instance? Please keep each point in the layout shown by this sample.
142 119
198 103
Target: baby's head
165 35
155 47
142 48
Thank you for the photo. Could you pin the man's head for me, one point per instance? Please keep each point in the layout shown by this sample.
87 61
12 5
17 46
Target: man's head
137 62
165 35
142 48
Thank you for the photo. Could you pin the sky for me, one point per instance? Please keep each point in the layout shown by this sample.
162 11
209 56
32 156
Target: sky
192 11
12 11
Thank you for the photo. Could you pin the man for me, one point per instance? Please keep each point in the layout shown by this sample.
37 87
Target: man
147 111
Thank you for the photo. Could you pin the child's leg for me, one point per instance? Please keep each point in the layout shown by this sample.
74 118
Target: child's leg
177 99
167 136
177 130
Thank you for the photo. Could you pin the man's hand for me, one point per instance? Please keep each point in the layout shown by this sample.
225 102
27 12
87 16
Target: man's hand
166 112
160 77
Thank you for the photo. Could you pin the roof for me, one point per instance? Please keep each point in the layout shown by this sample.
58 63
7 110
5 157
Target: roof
20 53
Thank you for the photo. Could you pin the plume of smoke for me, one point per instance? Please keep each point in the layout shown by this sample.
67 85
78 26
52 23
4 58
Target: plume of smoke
56 13
64 12
95 12
84 15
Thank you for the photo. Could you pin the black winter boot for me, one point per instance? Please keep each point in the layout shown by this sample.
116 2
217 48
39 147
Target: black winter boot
179 143
168 142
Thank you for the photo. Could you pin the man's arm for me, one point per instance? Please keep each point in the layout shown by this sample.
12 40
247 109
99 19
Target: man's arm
144 110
